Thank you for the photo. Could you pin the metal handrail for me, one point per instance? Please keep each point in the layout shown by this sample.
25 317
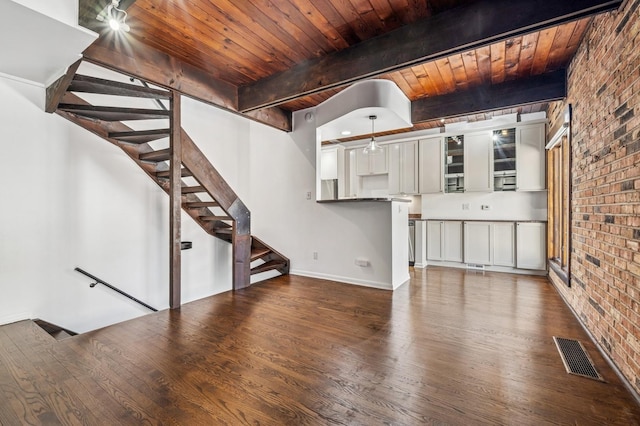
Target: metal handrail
117 290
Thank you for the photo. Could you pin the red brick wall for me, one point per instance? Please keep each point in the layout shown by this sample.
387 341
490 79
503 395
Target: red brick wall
604 90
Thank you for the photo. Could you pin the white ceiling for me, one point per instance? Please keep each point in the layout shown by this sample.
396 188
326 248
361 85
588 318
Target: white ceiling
37 47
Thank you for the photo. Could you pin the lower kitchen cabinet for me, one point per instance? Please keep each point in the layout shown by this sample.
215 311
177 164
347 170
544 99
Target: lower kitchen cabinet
444 240
478 243
531 245
504 243
489 243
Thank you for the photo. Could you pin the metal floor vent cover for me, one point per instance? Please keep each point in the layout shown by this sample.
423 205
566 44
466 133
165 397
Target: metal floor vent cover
576 359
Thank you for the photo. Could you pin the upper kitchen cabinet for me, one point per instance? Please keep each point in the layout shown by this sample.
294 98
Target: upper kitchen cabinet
371 164
431 165
504 159
332 163
454 158
530 157
478 164
403 168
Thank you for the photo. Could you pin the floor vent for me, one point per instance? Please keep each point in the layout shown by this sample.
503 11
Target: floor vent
475 266
576 359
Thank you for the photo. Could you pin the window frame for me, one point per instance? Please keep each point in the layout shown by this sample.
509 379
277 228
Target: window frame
559 200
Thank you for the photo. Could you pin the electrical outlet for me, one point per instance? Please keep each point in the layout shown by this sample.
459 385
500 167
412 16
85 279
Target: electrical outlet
465 206
308 195
315 255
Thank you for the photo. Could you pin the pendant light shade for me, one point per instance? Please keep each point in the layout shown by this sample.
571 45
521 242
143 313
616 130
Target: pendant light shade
372 148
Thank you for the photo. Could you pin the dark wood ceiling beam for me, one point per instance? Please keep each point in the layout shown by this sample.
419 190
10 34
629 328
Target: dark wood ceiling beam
462 29
151 65
541 88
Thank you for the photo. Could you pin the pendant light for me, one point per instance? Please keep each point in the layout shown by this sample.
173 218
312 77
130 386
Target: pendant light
372 148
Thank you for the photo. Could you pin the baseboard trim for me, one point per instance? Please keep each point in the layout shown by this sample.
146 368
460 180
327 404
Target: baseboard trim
602 351
341 279
9 319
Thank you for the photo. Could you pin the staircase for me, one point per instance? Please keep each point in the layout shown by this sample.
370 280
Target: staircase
204 194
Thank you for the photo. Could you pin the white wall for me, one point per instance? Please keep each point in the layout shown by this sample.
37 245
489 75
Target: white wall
502 206
272 171
63 10
71 199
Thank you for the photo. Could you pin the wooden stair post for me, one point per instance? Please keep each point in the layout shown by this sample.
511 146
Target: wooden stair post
175 203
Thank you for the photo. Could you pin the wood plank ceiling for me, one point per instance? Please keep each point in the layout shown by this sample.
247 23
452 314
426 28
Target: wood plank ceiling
244 42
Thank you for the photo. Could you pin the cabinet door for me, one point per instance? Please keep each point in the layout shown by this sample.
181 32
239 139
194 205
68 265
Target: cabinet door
395 168
434 240
430 165
504 244
378 163
452 241
531 245
351 189
329 164
477 243
530 158
478 164
362 162
409 168
371 164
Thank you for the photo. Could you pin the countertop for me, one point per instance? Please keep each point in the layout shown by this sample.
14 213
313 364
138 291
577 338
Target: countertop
351 200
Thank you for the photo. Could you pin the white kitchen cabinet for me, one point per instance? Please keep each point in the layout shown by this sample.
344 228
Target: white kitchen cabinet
489 243
403 168
430 163
367 164
478 239
503 244
531 245
530 158
351 190
478 164
444 240
332 163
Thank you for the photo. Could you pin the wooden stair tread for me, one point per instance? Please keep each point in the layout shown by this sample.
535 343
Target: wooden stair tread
88 84
156 156
193 189
164 174
113 113
140 136
214 218
200 204
258 252
268 266
227 231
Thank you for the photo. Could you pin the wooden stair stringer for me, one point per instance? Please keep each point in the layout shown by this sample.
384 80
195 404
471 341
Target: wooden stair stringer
102 130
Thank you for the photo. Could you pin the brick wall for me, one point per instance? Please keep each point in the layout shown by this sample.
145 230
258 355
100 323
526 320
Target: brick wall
604 90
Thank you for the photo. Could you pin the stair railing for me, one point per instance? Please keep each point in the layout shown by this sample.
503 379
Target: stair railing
117 290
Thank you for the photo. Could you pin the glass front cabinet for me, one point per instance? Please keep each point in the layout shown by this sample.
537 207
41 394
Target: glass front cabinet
504 160
454 164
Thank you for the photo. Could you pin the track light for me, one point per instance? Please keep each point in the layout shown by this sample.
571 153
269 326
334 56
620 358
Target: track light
115 17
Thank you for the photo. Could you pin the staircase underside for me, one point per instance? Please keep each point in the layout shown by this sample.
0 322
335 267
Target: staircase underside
204 195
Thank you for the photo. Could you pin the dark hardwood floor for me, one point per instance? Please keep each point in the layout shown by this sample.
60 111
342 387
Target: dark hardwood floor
452 347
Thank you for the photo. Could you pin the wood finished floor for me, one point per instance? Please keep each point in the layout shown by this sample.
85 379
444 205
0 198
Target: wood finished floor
451 347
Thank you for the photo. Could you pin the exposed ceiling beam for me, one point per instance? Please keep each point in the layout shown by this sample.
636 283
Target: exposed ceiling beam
146 63
465 28
541 88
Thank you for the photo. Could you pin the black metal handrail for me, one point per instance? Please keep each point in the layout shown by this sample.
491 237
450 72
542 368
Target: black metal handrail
117 290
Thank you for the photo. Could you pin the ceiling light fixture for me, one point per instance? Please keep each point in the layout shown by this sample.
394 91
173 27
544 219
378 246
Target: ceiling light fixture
373 148
115 17
345 132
